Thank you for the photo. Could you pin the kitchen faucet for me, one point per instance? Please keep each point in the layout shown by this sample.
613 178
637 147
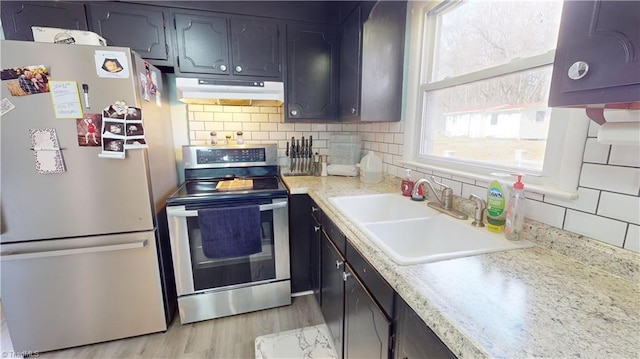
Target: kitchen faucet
443 204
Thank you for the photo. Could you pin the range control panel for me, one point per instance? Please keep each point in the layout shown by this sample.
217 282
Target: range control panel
229 156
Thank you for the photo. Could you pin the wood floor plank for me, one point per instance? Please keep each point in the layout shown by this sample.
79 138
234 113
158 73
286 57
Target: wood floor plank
228 337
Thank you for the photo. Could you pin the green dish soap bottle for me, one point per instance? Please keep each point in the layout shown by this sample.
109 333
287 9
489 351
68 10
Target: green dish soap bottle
497 202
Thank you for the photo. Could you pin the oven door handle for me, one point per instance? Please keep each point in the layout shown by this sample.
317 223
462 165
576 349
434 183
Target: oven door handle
176 212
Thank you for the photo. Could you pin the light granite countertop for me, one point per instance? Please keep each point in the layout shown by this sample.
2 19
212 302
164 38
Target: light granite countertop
569 296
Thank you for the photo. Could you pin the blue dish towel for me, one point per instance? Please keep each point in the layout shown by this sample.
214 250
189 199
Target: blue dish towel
230 232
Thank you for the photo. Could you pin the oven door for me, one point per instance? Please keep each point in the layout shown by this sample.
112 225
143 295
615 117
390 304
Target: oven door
196 273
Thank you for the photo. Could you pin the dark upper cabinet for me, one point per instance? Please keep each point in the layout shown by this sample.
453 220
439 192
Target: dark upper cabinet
350 57
382 60
255 48
312 68
202 44
597 59
413 338
216 44
18 17
139 27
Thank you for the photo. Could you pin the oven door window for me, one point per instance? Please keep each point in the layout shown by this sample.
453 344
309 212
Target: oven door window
221 272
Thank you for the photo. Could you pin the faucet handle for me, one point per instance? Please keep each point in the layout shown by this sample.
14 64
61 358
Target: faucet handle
439 183
479 211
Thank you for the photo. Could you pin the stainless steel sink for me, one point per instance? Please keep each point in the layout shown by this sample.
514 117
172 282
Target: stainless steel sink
412 233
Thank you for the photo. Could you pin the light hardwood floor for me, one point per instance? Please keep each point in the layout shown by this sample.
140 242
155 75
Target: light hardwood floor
229 337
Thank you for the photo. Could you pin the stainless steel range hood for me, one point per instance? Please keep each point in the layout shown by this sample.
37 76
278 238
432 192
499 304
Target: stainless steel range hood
229 92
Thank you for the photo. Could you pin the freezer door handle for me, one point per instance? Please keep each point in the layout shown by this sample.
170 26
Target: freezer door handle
74 251
179 211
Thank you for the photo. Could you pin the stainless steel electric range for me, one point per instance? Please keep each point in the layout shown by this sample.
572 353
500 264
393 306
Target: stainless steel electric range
222 177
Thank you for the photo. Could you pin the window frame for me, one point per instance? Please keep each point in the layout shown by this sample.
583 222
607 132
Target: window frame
564 149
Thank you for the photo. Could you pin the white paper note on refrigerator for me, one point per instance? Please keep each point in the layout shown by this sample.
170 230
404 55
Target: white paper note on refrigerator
46 151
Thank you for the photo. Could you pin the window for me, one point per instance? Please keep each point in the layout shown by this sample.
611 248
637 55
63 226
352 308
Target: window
481 100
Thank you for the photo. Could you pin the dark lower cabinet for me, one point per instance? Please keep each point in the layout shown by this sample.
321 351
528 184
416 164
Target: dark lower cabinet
413 338
332 287
300 242
139 27
365 316
19 16
367 329
314 260
311 84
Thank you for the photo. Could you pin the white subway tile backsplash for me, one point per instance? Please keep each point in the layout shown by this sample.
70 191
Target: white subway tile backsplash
632 242
259 135
455 186
233 126
211 108
318 127
625 156
202 116
619 206
469 189
268 109
222 117
194 108
286 127
300 127
214 126
600 228
595 152
196 126
251 109
277 135
545 213
269 127
259 117
593 129
587 200
334 127
534 196
241 117
611 178
251 126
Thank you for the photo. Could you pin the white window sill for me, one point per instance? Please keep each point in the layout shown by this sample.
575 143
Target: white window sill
540 189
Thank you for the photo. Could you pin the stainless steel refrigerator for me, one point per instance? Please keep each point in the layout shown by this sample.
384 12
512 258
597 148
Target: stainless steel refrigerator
83 253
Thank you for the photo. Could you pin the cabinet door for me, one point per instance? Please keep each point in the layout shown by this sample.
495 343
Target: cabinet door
332 264
255 48
314 262
350 57
311 86
203 44
300 242
18 17
142 28
414 339
367 329
604 36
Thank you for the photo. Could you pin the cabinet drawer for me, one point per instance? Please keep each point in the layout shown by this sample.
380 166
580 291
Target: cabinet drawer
375 284
332 231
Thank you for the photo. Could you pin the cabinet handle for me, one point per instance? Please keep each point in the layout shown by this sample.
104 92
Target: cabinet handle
314 209
353 110
238 68
339 264
345 276
294 112
578 70
223 67
316 228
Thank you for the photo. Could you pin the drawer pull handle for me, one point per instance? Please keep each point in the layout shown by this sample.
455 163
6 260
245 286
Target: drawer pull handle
339 264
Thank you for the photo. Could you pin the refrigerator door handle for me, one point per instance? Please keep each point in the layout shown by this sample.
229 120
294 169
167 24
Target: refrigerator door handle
74 251
179 211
